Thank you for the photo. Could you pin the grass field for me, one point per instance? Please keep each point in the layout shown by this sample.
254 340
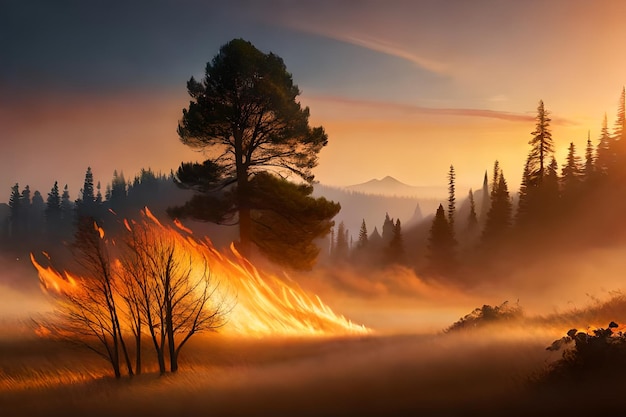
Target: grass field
409 374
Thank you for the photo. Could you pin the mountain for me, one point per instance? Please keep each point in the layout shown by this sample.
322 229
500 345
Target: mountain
390 186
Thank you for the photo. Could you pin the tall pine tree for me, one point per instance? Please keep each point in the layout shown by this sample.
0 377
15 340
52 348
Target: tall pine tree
451 198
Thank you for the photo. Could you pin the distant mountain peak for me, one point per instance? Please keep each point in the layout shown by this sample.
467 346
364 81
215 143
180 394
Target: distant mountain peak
388 180
390 186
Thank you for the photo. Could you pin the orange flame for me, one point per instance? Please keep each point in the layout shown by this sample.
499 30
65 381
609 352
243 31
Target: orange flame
265 304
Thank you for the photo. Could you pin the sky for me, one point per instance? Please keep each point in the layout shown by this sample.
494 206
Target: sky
403 88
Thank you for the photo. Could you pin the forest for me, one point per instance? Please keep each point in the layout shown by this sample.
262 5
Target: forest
230 278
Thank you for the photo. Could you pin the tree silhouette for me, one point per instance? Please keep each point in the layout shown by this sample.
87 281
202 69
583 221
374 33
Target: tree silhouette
589 168
542 146
363 237
451 198
16 212
604 152
341 244
486 199
86 203
472 218
245 116
395 250
53 209
441 244
619 132
388 227
571 174
499 216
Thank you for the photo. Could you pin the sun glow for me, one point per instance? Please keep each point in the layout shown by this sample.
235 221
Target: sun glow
262 303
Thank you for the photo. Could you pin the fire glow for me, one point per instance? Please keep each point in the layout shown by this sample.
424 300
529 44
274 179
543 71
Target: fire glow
263 304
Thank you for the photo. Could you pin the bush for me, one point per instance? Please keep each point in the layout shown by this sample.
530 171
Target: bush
587 357
486 315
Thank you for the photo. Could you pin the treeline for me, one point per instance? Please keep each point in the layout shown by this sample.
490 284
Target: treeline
575 204
34 222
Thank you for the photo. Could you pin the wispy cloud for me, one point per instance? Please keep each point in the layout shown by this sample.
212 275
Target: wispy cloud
373 43
435 111
392 49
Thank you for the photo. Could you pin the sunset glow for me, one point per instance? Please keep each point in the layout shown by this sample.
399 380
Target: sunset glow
416 86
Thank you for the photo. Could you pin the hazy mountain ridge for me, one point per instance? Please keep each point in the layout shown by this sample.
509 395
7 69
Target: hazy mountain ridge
357 206
389 186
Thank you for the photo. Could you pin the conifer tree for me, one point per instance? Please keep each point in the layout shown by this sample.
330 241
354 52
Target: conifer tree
15 210
53 209
396 246
571 173
451 198
68 212
604 154
387 229
441 244
86 204
589 170
98 194
37 209
363 237
25 208
499 216
118 191
619 129
486 200
472 218
341 244
525 194
53 203
542 146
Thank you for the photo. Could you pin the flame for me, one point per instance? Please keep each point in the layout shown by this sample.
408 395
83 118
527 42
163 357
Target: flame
264 303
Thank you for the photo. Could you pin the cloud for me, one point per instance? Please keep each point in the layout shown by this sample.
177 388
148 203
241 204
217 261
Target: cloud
405 108
434 111
391 49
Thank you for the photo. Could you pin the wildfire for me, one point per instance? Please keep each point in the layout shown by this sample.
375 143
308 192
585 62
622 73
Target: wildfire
263 303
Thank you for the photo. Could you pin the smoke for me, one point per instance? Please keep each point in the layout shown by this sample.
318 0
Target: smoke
20 296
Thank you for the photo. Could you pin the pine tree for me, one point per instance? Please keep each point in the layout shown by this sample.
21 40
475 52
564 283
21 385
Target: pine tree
387 229
67 211
26 209
525 194
53 209
396 246
441 244
363 238
499 216
85 205
589 171
118 191
604 153
375 239
53 203
551 189
451 198
542 146
341 244
486 199
571 173
494 179
472 218
619 132
98 194
15 210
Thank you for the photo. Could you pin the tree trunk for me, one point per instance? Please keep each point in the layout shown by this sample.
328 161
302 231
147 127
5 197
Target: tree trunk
243 198
169 320
138 352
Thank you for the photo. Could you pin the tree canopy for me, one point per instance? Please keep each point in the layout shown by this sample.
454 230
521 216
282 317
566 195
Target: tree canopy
245 117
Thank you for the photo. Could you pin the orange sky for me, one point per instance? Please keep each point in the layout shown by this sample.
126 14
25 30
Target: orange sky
403 88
